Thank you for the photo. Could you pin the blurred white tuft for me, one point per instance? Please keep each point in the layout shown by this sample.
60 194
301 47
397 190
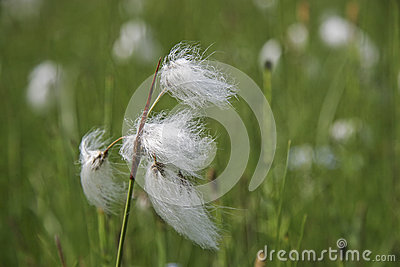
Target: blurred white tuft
97 174
344 129
42 88
298 35
135 40
324 156
301 157
336 31
270 53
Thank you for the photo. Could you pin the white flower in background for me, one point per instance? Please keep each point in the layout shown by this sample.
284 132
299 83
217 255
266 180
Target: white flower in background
325 157
99 184
270 54
301 157
188 77
336 31
343 129
177 139
298 35
44 81
136 39
188 216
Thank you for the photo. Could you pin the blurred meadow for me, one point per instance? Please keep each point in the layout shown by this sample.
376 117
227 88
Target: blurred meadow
69 66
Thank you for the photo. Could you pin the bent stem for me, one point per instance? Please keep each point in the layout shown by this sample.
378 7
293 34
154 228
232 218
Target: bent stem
112 144
157 99
135 164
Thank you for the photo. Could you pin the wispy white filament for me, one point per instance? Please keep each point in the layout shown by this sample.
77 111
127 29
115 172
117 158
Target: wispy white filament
99 184
177 139
187 76
188 216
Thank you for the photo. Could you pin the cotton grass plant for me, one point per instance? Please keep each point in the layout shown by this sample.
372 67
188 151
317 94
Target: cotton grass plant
188 77
173 148
101 187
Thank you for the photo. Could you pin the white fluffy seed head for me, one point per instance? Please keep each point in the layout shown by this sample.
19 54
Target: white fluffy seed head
101 187
187 216
177 139
188 77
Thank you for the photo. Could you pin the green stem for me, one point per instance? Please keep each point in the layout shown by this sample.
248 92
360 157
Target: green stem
124 222
102 235
157 99
135 165
160 240
303 223
281 197
267 84
112 144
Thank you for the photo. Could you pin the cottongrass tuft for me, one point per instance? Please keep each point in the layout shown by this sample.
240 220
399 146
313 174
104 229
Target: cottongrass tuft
189 217
101 187
188 77
177 139
174 147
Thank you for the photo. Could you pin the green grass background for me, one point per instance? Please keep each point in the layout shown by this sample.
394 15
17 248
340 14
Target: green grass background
40 192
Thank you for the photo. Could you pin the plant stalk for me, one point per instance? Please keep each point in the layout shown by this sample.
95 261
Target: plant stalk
101 220
135 164
279 217
112 144
157 99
